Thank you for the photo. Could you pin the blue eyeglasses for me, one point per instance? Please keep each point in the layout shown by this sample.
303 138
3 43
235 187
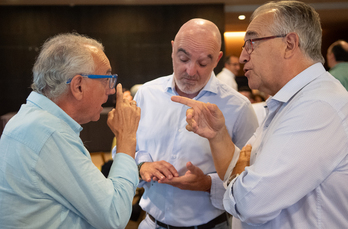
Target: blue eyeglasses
112 79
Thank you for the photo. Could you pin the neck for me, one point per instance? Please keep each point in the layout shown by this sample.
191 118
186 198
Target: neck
181 93
70 107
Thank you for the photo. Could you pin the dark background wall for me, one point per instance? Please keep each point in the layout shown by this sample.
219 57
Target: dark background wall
136 39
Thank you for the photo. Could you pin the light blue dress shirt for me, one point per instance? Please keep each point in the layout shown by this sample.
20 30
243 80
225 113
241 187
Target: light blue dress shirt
299 164
47 178
162 135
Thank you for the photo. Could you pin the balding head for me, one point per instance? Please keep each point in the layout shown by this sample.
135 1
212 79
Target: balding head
195 54
199 28
337 52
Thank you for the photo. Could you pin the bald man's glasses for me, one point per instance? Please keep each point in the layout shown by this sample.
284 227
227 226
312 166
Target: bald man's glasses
249 44
112 79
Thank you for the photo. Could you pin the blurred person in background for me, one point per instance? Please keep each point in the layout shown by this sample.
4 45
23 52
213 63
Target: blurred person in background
230 71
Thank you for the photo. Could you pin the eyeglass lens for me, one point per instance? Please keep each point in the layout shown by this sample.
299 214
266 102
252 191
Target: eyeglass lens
112 83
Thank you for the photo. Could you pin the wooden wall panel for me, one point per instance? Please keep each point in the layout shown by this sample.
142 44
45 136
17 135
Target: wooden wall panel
136 39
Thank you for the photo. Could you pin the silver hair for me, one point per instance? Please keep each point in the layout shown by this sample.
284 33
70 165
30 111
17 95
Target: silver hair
298 17
61 58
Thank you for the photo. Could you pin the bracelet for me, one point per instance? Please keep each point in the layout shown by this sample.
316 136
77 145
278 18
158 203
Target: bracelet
231 178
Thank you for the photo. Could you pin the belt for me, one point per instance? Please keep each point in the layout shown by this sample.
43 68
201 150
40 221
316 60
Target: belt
212 223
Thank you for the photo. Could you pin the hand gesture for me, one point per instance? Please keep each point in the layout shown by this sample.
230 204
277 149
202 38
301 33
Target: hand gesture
243 160
204 119
157 171
194 179
123 122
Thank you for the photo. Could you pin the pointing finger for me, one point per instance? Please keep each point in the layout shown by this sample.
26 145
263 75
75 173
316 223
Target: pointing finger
119 94
183 100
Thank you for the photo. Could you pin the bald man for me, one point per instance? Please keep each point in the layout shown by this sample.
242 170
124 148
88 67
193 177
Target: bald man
182 188
337 60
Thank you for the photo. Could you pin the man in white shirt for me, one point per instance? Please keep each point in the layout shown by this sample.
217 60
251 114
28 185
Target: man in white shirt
182 188
299 157
230 71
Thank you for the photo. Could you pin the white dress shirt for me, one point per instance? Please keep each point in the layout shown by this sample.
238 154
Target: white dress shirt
299 162
162 135
228 78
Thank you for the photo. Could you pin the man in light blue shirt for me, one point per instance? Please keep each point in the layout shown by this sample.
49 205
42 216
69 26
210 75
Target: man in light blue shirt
182 188
47 178
299 155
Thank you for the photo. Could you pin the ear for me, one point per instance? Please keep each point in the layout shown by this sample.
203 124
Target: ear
219 57
172 42
292 45
331 60
76 87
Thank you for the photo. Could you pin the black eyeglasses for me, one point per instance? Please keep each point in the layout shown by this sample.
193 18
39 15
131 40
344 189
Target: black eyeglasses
248 44
112 79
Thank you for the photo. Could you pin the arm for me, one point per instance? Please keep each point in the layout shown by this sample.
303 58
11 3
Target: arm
206 120
123 122
73 181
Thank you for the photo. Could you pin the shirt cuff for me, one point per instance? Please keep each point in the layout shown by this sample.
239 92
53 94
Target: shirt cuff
217 191
232 163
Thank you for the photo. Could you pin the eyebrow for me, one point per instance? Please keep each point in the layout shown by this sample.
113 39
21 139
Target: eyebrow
184 51
251 33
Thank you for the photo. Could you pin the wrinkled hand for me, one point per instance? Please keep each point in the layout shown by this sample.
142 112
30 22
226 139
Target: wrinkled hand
123 122
243 160
204 119
194 180
157 171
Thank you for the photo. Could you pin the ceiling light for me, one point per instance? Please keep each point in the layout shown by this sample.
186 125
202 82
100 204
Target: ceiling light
241 17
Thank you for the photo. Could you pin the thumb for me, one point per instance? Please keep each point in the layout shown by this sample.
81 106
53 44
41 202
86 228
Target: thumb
191 167
213 109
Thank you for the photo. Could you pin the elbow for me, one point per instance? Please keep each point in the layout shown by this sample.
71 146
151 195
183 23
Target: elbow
116 219
255 216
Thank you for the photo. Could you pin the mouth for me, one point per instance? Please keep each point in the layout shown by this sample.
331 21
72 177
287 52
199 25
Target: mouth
246 71
190 81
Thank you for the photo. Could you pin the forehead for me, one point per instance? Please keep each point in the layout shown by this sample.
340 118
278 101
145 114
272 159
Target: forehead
260 25
234 59
193 46
102 63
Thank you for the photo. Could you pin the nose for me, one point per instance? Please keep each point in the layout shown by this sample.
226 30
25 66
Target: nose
111 91
191 69
244 57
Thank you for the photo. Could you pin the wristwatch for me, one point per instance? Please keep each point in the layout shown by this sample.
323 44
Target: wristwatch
139 166
231 178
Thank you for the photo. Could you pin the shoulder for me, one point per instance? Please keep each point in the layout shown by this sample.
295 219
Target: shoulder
225 91
33 126
154 87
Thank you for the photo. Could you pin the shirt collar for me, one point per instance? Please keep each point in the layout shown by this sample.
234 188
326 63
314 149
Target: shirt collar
210 87
48 105
298 82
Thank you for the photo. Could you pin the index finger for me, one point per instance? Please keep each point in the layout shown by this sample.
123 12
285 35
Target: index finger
119 94
184 100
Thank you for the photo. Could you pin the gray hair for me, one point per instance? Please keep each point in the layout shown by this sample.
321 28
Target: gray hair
61 58
298 17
